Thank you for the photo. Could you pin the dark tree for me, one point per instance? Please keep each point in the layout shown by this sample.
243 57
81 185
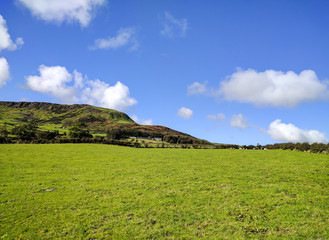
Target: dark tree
115 134
25 131
79 130
3 131
318 147
47 135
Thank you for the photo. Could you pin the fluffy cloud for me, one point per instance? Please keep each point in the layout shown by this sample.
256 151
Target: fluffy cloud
5 40
73 88
239 121
125 36
185 113
218 117
273 88
173 27
196 88
102 94
63 10
288 132
141 121
53 81
4 71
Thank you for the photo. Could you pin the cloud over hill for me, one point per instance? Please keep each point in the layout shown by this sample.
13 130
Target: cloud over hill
4 71
56 81
185 113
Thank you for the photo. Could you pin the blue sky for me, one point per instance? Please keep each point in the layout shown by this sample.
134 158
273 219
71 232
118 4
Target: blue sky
242 72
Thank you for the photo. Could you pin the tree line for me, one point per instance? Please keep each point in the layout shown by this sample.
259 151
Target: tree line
121 133
79 133
303 147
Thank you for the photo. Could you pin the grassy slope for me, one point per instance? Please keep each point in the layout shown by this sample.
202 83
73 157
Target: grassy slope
54 116
59 117
104 192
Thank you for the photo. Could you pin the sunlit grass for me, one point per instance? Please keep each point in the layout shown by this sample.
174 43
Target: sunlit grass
108 192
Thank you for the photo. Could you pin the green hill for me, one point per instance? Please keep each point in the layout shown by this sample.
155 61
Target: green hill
50 116
60 118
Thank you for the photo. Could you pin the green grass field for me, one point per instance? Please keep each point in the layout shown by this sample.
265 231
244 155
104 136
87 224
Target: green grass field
87 191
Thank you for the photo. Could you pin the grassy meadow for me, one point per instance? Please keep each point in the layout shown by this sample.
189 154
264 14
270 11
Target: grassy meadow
90 191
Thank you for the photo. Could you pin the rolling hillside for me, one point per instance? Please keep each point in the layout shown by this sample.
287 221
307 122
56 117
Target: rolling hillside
60 117
50 116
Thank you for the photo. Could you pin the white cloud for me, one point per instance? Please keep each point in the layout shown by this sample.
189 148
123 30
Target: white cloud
239 121
78 79
56 81
185 113
288 132
5 39
173 27
274 88
53 81
141 121
218 117
102 94
125 36
4 71
196 88
63 10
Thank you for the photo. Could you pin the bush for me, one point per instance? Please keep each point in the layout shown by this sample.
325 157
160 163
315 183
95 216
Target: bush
79 130
25 132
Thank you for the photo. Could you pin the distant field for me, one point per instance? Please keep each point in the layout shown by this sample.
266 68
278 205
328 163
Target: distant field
87 191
